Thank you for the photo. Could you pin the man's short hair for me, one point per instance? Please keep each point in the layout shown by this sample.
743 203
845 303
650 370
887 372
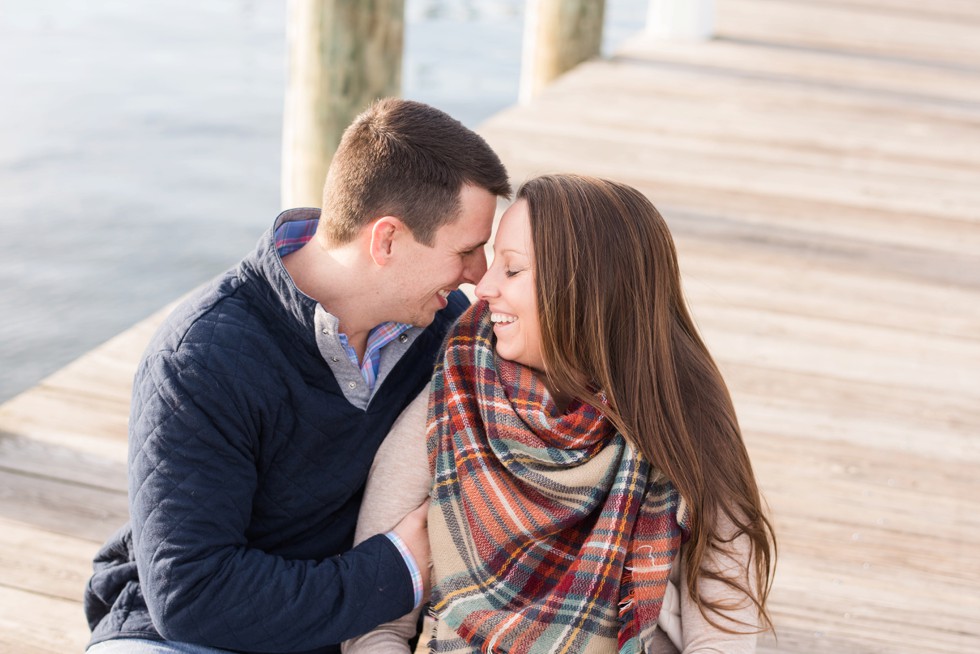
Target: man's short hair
409 160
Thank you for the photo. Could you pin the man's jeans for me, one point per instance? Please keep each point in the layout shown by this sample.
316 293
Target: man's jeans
141 646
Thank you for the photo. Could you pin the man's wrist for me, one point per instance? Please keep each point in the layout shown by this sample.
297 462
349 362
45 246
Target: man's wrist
411 564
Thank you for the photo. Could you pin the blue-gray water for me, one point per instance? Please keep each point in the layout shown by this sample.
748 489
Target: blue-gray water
140 147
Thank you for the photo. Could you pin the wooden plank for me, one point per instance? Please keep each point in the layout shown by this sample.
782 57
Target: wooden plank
909 210
880 493
851 293
68 509
852 352
883 613
820 408
85 405
32 457
32 623
960 10
57 565
810 625
828 70
854 28
850 562
870 165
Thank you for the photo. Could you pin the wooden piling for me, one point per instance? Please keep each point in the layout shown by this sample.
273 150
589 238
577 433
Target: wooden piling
342 55
558 35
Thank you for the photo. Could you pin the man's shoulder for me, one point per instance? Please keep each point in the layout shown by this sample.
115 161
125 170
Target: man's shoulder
222 315
217 302
218 346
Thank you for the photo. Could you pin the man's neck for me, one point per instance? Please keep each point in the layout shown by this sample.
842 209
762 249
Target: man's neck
336 279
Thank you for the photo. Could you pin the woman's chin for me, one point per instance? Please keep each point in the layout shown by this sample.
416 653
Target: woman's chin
502 353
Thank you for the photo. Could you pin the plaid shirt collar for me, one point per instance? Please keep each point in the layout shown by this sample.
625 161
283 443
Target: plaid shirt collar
291 236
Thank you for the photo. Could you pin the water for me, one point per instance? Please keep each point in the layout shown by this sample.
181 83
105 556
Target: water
140 147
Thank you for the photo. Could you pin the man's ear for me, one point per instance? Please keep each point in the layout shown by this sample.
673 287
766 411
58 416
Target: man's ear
384 231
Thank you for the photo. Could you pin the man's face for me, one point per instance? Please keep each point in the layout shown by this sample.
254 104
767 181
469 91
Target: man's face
428 274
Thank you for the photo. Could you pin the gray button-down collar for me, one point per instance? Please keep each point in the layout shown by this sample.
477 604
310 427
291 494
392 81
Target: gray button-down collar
348 375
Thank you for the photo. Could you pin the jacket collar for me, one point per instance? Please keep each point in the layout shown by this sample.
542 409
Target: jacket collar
265 265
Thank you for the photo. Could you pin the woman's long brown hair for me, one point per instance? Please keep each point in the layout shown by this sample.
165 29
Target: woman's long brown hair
613 317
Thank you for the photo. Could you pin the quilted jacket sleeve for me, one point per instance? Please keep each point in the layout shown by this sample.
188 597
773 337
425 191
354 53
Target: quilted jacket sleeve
192 480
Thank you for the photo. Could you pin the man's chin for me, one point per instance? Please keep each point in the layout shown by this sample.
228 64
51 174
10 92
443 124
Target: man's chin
422 321
427 313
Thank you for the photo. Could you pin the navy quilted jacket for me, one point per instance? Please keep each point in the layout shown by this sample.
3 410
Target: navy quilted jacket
246 470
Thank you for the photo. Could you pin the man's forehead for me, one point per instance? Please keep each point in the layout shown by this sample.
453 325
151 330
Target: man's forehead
472 242
469 231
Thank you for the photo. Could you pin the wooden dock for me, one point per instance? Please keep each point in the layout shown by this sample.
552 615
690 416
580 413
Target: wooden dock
819 164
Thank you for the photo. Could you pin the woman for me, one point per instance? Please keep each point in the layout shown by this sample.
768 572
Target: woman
591 491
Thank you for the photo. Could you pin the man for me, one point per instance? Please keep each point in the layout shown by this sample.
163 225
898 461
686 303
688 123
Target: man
259 405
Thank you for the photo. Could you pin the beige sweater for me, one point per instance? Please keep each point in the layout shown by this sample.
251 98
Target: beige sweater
400 481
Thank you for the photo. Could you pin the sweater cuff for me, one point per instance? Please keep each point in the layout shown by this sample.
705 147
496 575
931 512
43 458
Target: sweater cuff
411 564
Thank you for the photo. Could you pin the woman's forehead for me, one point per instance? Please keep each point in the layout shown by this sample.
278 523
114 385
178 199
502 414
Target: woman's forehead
514 230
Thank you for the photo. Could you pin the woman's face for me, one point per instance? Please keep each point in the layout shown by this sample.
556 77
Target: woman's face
508 287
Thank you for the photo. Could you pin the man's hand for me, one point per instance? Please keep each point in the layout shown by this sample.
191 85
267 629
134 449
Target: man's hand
414 531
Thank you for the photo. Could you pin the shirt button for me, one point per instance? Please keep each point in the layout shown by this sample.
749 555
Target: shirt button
352 385
335 359
403 338
325 331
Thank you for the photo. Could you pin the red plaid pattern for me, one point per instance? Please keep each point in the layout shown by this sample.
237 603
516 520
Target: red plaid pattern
549 531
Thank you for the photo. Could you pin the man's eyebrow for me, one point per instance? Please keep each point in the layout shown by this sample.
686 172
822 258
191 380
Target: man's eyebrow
473 247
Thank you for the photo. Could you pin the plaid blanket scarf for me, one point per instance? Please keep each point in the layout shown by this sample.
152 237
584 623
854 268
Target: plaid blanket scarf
549 532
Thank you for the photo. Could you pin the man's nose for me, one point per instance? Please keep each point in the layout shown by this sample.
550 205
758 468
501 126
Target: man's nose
476 267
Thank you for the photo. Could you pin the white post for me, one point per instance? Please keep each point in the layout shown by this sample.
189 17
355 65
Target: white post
681 19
